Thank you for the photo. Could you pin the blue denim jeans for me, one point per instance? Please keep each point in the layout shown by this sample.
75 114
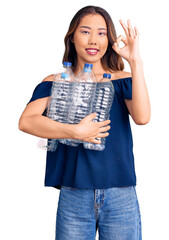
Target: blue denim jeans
113 211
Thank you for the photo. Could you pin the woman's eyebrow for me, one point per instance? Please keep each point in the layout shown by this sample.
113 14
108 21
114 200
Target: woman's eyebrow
90 28
85 27
102 29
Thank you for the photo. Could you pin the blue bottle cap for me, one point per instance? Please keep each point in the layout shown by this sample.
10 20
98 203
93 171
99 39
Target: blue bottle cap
107 75
64 75
67 64
88 65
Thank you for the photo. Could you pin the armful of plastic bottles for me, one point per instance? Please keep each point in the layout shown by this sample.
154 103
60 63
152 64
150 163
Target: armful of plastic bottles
88 130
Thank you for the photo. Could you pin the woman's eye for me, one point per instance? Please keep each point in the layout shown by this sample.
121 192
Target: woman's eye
102 33
85 32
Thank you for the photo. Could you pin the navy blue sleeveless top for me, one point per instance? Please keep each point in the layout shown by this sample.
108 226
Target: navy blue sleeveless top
78 167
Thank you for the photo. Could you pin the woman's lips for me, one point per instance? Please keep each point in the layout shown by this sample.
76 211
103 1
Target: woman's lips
91 51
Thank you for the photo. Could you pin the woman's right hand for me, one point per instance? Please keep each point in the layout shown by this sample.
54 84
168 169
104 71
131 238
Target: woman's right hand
88 131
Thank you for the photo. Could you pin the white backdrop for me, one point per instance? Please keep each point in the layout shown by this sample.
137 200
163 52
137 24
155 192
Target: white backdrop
32 46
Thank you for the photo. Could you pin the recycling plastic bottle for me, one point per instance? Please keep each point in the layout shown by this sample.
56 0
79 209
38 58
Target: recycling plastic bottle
81 106
103 99
59 101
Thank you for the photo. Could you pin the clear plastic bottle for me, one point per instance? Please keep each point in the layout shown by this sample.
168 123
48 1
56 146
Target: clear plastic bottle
81 106
59 101
103 99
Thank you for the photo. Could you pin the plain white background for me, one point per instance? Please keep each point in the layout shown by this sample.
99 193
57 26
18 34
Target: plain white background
32 46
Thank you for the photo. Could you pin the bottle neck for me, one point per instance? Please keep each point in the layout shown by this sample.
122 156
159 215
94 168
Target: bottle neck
87 70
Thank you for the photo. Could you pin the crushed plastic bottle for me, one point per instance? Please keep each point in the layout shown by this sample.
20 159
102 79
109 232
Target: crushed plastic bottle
81 106
59 101
103 99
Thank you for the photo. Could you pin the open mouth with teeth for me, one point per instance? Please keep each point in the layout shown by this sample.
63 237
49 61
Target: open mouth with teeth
92 51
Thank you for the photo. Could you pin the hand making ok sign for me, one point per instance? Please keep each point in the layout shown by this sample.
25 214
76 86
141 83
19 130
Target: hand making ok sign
130 51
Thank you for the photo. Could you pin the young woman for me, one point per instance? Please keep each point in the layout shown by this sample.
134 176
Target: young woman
97 188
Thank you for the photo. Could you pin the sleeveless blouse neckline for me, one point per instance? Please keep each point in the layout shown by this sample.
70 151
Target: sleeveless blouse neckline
113 80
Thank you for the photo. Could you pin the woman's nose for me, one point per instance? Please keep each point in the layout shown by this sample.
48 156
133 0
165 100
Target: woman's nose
93 39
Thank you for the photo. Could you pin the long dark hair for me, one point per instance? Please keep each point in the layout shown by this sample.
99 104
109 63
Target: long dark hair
111 60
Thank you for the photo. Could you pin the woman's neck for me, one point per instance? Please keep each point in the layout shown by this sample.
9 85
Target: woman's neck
97 68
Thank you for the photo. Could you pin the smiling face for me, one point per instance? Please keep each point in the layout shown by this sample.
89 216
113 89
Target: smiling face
90 39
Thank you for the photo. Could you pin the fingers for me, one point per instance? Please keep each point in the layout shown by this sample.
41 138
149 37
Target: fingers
92 115
116 43
129 31
96 141
127 28
104 129
102 135
103 132
121 38
136 32
99 136
103 123
124 27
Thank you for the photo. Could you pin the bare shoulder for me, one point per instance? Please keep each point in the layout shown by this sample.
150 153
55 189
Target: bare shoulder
48 78
123 74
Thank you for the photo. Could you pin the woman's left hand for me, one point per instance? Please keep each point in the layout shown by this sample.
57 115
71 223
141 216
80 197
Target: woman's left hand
130 51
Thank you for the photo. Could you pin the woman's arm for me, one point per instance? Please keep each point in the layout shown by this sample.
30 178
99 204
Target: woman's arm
139 106
33 122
